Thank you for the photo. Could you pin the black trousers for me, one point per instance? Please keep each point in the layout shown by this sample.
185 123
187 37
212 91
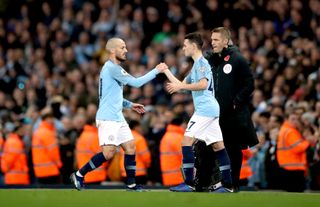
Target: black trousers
293 180
207 168
235 155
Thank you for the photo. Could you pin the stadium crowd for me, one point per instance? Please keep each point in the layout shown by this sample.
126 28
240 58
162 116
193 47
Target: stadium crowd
51 53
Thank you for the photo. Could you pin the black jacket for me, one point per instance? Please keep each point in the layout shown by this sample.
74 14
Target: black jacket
234 85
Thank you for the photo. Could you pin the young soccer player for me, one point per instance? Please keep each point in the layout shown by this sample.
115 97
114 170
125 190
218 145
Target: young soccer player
204 123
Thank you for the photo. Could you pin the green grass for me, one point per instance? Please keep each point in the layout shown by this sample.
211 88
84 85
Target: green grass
118 198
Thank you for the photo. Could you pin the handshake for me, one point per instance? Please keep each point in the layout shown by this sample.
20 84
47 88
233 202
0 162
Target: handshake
174 85
161 67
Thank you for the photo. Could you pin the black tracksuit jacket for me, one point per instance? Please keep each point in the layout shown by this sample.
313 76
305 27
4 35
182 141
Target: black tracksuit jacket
233 86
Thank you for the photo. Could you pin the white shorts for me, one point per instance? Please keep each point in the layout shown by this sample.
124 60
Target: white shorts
204 128
113 133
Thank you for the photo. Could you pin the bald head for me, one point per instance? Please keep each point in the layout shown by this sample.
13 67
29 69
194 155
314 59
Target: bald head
116 49
114 43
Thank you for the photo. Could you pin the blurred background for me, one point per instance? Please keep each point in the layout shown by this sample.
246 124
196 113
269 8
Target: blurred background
51 53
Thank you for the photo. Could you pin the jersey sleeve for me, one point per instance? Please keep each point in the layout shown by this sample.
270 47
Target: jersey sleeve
124 77
120 74
204 71
126 103
188 78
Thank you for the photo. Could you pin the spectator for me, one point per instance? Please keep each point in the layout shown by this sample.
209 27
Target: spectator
291 154
170 153
14 163
45 150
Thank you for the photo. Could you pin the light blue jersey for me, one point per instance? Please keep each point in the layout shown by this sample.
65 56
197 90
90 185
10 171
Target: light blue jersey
204 101
112 79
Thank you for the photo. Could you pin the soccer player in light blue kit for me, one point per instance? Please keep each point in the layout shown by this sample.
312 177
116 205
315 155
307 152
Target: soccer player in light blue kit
113 130
204 123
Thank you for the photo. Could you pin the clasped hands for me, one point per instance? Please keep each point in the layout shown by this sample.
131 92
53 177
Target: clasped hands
171 86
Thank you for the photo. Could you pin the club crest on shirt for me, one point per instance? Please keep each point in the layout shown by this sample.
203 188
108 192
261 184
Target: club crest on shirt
124 72
227 68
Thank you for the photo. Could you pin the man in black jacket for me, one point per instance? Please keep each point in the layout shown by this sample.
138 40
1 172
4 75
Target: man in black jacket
233 85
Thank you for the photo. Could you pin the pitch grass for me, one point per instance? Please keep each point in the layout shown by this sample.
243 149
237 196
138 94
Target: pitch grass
118 198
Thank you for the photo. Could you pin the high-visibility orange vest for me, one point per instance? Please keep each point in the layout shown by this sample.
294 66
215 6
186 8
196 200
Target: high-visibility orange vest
1 147
171 155
86 147
246 171
143 155
45 151
291 148
14 162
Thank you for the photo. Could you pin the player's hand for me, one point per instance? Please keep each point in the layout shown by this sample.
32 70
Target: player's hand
173 87
162 67
139 108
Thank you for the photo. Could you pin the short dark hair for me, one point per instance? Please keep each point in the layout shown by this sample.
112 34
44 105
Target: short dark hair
196 38
133 124
177 121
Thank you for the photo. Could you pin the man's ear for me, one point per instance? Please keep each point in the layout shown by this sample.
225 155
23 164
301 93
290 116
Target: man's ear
226 41
111 50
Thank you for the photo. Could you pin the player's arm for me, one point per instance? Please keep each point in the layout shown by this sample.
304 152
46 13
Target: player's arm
199 86
127 79
186 84
139 108
171 77
140 81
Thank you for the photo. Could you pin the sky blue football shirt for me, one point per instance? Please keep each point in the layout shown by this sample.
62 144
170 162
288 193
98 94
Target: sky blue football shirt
112 79
204 101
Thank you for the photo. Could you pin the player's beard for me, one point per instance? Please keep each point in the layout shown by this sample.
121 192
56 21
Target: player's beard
121 59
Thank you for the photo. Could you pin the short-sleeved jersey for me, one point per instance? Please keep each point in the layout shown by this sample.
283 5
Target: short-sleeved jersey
112 79
204 101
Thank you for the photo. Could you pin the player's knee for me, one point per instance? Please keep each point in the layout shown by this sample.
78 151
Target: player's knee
109 153
129 148
187 141
217 146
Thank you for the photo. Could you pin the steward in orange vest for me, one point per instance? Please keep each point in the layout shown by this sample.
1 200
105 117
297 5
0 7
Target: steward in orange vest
45 152
291 154
14 163
246 171
143 155
171 154
1 149
87 146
